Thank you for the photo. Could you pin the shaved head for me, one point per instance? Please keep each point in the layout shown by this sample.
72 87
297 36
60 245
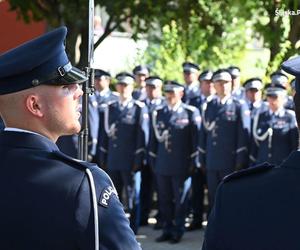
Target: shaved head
49 110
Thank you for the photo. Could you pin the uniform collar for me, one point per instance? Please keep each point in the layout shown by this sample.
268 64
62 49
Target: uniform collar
104 92
176 106
20 138
192 86
153 101
21 130
126 102
224 100
279 112
204 98
255 104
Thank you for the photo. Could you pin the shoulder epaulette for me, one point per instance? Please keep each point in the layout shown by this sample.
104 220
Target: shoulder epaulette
241 101
290 112
111 102
103 105
210 98
189 107
159 107
82 165
262 168
139 103
115 93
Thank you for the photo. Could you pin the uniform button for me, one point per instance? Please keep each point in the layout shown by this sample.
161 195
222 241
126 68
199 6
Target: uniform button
270 155
214 143
217 119
114 145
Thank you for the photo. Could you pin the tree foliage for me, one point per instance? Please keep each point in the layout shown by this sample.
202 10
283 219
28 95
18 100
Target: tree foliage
212 33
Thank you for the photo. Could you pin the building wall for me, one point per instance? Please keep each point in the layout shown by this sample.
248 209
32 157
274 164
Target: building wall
13 31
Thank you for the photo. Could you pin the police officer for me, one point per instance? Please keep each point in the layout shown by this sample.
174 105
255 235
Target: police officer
253 102
49 200
207 91
154 99
101 97
253 205
190 75
253 95
275 132
174 153
237 90
140 72
223 138
280 78
127 126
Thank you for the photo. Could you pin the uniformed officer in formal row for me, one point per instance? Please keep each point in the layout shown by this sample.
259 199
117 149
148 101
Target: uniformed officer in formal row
253 103
102 95
223 137
174 154
153 100
50 200
207 91
126 124
253 95
253 205
237 90
275 132
140 72
280 78
190 75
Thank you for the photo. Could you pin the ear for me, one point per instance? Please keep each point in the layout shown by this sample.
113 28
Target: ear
33 105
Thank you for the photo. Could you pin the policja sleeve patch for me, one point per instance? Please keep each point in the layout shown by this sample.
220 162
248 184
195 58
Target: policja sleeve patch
106 195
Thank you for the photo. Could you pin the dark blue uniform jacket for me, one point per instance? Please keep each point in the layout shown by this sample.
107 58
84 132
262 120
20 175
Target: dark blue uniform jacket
46 199
278 145
257 208
223 136
178 152
129 137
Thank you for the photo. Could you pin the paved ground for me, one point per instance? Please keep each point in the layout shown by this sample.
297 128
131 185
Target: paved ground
190 241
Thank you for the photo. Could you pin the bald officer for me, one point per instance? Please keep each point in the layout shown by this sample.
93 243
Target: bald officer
50 200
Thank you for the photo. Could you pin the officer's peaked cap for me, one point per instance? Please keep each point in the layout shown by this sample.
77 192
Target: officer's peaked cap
292 66
190 67
234 71
279 77
154 81
141 70
221 75
42 60
275 89
171 86
253 83
125 78
100 73
206 75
